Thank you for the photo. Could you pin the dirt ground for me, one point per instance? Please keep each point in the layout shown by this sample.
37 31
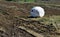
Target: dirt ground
21 9
12 25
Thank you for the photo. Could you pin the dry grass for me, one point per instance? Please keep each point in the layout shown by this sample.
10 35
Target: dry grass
11 19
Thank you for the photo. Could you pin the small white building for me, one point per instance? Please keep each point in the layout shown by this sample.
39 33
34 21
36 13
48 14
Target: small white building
37 12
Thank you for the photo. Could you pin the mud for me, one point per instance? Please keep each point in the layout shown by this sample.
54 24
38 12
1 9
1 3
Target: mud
10 20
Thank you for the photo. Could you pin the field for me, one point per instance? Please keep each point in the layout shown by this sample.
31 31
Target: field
14 21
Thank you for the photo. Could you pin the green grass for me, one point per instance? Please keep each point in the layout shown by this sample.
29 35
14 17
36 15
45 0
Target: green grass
30 0
24 0
47 19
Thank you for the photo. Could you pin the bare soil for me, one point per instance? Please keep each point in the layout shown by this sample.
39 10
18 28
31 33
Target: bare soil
12 25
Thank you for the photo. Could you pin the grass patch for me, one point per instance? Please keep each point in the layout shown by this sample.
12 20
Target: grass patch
47 19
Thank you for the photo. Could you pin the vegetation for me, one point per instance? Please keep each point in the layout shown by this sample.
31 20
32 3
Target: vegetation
15 23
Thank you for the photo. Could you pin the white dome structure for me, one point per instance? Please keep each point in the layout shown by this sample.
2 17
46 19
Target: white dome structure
37 11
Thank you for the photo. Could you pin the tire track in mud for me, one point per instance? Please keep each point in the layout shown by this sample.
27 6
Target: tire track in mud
31 32
26 33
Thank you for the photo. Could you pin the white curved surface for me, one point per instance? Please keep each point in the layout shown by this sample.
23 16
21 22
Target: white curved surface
37 11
